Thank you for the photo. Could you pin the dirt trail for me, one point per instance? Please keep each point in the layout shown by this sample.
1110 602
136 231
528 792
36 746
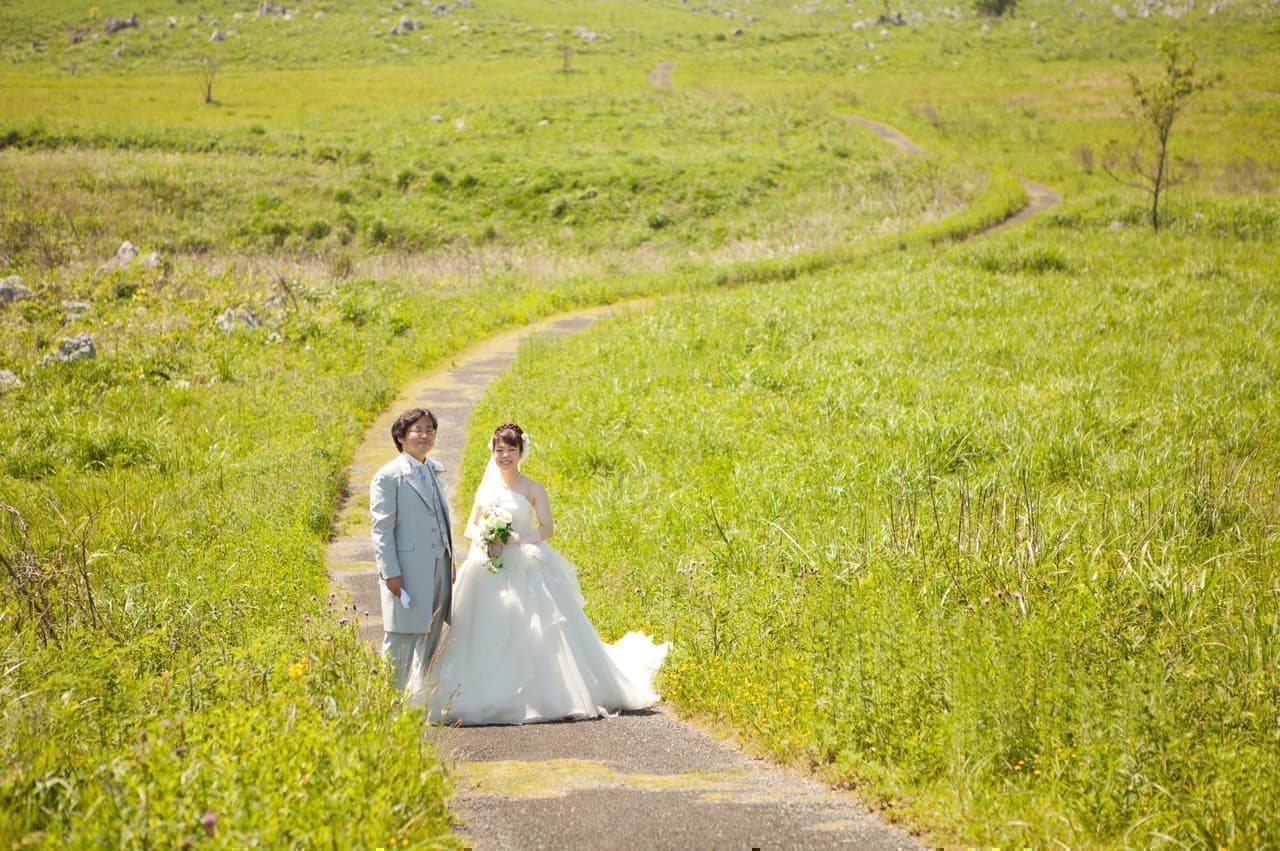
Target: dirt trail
660 75
1039 199
1039 196
889 134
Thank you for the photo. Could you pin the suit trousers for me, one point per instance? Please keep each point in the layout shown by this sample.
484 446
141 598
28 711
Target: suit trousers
413 652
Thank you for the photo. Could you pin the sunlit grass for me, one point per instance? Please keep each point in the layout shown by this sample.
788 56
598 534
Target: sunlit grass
991 536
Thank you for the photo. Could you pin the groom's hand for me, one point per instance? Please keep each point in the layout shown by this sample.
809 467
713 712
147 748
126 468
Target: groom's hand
395 584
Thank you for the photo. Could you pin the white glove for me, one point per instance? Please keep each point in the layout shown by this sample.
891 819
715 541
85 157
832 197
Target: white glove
525 537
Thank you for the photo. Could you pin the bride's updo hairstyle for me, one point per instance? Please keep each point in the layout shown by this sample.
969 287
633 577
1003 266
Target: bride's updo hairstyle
511 435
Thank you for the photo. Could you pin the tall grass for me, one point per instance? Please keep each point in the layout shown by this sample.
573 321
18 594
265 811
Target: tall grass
188 477
990 536
172 650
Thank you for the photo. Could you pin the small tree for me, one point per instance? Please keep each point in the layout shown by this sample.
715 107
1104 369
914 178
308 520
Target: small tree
995 8
1156 105
208 70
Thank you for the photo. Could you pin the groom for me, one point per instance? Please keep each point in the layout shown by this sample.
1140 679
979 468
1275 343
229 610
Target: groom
413 546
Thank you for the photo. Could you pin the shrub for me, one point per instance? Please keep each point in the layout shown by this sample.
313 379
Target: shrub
995 8
315 229
377 231
658 220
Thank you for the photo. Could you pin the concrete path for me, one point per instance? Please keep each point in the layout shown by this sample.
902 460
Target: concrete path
642 780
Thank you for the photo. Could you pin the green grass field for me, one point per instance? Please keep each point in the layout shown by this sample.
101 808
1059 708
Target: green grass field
1000 513
991 536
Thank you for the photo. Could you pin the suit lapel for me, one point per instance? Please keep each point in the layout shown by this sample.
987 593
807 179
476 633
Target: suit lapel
421 487
416 481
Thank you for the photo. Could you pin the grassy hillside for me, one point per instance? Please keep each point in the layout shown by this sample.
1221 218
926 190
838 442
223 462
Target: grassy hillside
881 431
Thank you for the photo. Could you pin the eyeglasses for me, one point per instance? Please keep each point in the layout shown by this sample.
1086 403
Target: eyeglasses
422 431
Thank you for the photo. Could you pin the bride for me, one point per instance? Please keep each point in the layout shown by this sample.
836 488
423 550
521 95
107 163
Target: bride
519 648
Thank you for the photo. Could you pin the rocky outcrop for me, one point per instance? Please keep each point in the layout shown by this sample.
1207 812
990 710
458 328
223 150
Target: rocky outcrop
114 25
11 290
125 255
406 26
79 347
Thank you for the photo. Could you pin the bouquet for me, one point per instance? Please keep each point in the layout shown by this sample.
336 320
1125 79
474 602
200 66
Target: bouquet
494 527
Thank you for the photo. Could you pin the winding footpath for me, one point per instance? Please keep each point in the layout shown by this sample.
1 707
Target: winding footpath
642 780
1039 196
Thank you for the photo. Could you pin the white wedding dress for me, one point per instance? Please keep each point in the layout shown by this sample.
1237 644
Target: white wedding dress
520 649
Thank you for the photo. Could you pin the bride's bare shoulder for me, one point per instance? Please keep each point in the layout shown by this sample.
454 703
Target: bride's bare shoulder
533 489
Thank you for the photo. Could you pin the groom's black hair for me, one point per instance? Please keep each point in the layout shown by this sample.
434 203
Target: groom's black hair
401 426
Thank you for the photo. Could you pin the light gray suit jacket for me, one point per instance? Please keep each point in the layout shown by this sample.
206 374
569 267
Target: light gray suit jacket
414 541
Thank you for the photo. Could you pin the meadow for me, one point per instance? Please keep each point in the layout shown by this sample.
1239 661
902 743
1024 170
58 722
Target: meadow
990 536
1001 513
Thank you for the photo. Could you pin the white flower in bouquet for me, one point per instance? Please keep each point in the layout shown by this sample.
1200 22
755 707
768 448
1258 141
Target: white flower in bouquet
494 528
